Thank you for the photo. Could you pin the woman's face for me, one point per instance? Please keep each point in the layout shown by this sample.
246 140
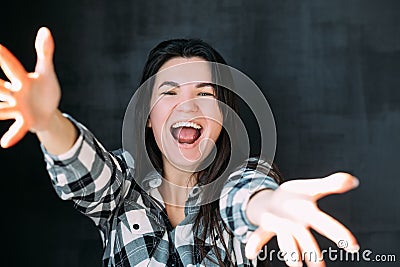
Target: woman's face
185 117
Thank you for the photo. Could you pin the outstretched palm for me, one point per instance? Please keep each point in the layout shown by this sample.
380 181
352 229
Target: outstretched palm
290 211
29 98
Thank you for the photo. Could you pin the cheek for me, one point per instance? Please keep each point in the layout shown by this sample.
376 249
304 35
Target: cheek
157 120
216 131
158 117
215 117
214 121
160 112
210 108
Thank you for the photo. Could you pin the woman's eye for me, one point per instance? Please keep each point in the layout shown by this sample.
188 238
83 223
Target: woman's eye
206 94
168 93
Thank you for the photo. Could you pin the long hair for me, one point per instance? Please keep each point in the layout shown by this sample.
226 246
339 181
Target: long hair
208 222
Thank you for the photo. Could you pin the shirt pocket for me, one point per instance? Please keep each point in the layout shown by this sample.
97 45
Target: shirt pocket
139 229
141 222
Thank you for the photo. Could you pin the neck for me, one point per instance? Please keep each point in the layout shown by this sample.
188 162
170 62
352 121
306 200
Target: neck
176 185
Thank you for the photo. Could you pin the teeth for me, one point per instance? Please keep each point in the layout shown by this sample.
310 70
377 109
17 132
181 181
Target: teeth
186 124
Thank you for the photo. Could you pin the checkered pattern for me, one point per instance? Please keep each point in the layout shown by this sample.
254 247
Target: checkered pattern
134 226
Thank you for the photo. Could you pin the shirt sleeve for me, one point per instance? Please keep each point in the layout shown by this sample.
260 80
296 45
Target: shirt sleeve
236 193
93 178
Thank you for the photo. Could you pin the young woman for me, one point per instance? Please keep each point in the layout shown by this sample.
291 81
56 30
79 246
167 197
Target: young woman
151 205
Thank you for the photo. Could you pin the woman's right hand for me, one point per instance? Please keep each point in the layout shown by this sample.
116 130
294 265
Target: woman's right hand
31 99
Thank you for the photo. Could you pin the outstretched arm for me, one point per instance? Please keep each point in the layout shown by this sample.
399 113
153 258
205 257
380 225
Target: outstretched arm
81 169
291 210
32 99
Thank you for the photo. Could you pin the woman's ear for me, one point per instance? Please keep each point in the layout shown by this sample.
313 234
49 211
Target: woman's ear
148 124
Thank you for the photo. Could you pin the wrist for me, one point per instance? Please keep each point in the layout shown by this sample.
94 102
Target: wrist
258 201
50 124
59 135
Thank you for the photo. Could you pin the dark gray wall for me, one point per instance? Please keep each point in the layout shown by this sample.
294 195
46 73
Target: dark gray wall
330 70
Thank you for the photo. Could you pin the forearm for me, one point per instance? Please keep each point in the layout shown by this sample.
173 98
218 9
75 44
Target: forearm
59 136
89 175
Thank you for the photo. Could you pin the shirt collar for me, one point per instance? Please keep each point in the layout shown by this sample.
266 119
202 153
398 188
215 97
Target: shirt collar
153 180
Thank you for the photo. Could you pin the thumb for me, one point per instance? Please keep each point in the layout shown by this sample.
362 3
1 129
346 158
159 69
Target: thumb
44 45
257 240
317 188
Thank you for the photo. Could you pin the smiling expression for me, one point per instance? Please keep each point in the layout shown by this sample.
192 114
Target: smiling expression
185 116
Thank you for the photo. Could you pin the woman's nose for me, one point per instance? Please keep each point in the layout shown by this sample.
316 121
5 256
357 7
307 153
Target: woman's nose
187 101
187 104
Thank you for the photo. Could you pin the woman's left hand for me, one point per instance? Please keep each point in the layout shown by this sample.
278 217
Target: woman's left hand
290 211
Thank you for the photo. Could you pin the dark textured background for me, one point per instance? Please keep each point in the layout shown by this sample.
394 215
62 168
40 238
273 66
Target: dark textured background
330 70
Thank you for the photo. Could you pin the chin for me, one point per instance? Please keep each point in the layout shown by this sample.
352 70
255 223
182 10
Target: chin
188 159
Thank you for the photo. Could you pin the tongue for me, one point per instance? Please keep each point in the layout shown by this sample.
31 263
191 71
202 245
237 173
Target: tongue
187 135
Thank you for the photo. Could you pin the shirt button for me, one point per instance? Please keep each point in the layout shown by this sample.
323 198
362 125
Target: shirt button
155 183
136 226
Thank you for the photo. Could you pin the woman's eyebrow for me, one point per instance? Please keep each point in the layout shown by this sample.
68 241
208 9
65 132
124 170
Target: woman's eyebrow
170 83
200 85
175 84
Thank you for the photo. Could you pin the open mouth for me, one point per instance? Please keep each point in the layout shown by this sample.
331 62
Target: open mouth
185 132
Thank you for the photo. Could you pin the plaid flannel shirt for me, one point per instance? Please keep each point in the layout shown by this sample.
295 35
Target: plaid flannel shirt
133 225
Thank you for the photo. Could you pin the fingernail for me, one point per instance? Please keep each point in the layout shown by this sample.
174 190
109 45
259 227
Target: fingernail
7 85
356 182
250 255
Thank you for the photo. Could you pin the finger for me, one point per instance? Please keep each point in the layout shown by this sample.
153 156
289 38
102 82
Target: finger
310 251
44 45
317 188
256 241
16 132
5 91
12 67
7 112
4 105
334 230
288 247
262 234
